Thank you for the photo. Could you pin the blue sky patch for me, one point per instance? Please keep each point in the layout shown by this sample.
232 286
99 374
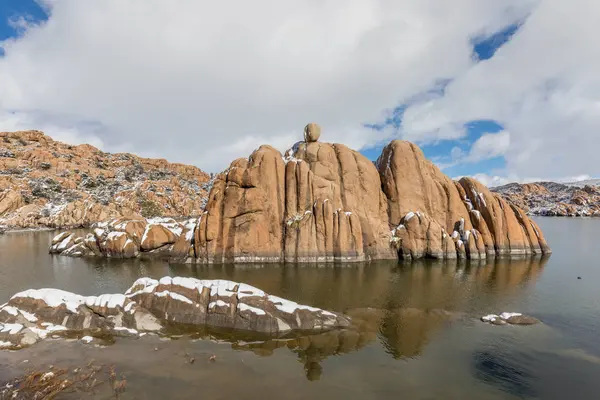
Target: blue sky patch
442 152
484 48
13 9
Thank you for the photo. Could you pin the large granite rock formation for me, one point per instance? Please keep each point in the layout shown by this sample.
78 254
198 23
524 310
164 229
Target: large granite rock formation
150 305
324 202
45 183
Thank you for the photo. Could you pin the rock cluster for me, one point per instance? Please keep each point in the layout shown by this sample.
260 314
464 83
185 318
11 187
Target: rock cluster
324 202
44 183
150 305
554 199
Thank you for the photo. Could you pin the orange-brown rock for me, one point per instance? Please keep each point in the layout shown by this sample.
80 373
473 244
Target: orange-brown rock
335 208
325 202
45 183
244 217
481 222
509 229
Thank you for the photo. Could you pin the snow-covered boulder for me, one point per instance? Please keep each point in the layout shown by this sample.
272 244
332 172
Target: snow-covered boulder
510 318
151 304
131 238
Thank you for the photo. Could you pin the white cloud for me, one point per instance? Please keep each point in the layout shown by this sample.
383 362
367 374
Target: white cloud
489 145
499 180
204 82
544 88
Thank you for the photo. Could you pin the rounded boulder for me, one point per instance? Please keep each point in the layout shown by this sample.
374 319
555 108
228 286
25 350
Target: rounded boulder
312 132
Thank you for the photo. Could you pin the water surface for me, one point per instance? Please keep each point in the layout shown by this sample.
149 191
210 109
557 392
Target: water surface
420 337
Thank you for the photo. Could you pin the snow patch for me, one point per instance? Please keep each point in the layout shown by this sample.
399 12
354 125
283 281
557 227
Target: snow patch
246 307
123 329
11 329
174 296
218 303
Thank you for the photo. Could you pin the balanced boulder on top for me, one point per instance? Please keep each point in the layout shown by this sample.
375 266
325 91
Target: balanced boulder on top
312 132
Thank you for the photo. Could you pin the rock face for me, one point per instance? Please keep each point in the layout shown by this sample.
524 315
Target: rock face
554 199
324 202
438 218
44 183
150 305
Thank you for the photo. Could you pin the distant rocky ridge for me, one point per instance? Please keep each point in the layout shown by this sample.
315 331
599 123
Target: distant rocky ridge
322 202
151 305
45 183
578 199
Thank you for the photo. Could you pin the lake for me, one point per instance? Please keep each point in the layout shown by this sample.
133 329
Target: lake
421 337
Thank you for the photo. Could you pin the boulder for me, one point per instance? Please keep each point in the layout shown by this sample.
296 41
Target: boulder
312 132
149 305
510 318
10 201
157 235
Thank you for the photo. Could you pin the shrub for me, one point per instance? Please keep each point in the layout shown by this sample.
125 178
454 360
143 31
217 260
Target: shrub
149 209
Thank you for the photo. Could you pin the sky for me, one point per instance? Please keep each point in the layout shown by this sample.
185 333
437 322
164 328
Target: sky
502 90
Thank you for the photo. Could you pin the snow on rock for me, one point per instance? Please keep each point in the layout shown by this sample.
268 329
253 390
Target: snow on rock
87 339
150 304
512 318
11 329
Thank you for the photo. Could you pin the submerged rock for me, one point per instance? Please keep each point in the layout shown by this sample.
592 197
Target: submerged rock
510 318
324 202
150 305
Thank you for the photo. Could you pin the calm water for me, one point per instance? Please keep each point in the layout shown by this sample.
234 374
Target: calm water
420 337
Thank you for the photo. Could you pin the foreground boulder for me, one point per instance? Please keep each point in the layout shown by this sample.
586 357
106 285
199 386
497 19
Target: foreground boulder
324 202
150 305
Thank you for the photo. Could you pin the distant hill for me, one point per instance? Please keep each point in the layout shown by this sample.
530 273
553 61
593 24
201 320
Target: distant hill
45 183
574 199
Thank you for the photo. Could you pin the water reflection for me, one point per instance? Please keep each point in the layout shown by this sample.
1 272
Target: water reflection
406 304
398 306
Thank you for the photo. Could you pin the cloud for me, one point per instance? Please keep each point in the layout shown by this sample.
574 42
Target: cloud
204 82
489 145
497 180
542 86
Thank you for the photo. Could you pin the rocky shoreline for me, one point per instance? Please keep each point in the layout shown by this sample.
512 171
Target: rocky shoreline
553 199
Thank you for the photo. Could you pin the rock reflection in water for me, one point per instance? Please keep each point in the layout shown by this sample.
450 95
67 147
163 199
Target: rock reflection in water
412 303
